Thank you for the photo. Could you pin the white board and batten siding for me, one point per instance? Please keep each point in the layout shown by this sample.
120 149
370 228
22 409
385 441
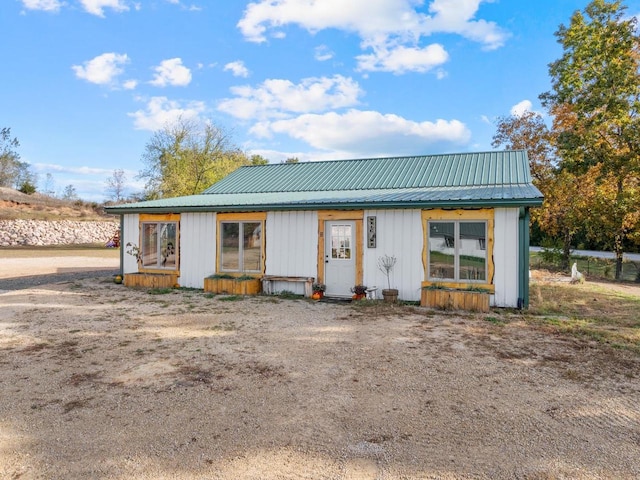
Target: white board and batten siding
505 257
398 233
291 247
130 234
197 248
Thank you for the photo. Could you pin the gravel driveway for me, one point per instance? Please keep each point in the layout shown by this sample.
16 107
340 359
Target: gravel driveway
103 382
20 273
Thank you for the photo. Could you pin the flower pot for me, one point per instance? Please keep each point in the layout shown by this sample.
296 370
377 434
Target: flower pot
390 295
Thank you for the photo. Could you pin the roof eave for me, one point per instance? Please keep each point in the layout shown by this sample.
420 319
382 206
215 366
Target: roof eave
520 202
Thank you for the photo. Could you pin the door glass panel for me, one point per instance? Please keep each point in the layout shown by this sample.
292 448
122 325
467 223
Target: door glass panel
252 244
230 246
472 251
442 250
168 244
341 242
149 244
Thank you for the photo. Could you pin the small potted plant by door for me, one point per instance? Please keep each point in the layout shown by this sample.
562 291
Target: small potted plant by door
385 265
359 292
318 290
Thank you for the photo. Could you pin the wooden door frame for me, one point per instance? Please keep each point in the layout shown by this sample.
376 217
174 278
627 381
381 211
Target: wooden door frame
356 216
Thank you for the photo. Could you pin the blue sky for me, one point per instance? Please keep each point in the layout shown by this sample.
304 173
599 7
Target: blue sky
86 82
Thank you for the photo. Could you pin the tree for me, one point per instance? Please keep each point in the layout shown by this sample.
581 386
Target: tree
70 193
116 185
187 157
10 164
292 160
596 87
48 187
528 132
258 160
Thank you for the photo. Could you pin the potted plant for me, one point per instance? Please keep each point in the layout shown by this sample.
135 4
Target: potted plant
318 290
359 292
385 265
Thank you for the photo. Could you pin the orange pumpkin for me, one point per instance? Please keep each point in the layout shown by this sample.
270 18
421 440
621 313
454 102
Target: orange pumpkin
316 296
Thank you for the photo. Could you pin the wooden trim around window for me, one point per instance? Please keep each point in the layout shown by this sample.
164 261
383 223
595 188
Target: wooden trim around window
356 216
242 217
160 218
484 214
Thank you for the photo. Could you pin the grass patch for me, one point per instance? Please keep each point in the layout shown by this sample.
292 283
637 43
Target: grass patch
495 321
289 295
231 298
587 311
159 291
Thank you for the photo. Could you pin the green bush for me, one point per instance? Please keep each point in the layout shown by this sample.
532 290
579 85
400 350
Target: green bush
27 187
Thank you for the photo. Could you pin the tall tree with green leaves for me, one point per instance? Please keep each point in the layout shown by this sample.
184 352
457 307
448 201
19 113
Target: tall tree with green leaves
596 84
187 157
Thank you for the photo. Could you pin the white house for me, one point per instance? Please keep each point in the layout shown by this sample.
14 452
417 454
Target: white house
455 220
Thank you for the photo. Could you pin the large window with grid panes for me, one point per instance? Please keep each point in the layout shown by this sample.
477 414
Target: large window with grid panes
457 251
241 243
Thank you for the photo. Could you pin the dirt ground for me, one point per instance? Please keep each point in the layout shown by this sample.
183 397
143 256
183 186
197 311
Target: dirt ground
99 381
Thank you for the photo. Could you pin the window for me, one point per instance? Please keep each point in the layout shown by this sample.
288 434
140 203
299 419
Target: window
159 245
241 246
457 251
340 242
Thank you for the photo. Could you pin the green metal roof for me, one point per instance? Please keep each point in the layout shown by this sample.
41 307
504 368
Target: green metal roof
450 170
452 180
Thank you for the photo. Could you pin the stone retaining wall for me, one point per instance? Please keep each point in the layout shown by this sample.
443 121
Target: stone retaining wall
39 232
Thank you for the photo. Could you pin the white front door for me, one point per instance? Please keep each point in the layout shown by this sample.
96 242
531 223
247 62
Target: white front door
340 258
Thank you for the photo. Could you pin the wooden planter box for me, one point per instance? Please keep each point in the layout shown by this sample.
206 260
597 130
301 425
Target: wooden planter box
449 299
233 286
150 280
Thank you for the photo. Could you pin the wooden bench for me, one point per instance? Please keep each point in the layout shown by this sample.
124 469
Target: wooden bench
268 281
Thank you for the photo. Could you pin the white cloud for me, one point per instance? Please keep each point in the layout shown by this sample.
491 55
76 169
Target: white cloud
44 5
171 72
366 132
379 23
102 69
130 84
457 16
50 167
96 7
521 108
277 98
160 111
191 8
237 68
322 53
403 59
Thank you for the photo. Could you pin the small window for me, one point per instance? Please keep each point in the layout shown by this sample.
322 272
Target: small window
457 251
241 246
159 245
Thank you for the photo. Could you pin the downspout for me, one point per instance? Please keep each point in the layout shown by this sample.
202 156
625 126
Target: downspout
523 258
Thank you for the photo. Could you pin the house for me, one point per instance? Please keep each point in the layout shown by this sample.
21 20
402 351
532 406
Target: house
454 220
